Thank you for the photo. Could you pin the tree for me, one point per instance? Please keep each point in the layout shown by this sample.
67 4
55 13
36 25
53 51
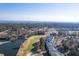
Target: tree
42 44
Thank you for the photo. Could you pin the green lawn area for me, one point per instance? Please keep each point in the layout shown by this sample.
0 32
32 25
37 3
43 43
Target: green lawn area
27 46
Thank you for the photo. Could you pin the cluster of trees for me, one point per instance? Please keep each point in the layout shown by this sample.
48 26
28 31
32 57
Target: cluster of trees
42 44
71 47
39 33
5 26
39 46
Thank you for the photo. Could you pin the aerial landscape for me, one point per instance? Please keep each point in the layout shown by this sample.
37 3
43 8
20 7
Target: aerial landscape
28 29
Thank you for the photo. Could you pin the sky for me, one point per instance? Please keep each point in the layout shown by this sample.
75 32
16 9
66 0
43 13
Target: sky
53 12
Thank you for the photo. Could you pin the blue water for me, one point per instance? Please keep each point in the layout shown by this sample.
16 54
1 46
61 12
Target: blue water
11 48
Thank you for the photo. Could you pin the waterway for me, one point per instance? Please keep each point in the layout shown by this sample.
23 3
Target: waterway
9 48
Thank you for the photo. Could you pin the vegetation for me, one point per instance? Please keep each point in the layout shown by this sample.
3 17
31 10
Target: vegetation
28 45
71 47
42 44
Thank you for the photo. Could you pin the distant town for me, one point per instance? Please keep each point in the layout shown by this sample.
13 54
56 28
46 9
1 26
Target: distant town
39 39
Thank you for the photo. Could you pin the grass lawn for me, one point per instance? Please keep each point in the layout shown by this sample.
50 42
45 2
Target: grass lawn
27 46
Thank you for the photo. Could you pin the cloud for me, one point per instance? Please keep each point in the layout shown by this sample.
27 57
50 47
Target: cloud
58 18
